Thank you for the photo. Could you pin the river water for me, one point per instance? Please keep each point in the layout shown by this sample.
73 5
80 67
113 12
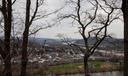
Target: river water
115 73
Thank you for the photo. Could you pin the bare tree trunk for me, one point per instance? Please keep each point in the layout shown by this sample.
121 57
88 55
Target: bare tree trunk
125 15
28 23
86 66
126 46
24 58
7 12
24 54
7 67
7 56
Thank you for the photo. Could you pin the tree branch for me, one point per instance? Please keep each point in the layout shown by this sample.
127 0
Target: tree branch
35 12
13 2
98 42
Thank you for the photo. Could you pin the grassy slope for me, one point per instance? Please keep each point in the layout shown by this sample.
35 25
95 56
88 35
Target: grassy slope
95 66
36 69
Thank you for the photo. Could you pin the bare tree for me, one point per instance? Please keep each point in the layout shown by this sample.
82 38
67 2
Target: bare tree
6 9
28 23
125 16
29 19
100 22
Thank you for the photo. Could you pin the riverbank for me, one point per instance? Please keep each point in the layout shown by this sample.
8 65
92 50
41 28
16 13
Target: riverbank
38 69
74 68
113 73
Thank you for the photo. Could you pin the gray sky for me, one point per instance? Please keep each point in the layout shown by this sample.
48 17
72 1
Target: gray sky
65 28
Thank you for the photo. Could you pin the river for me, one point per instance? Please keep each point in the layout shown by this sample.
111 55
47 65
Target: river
115 73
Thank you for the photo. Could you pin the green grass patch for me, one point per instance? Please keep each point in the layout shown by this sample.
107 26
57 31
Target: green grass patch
97 64
65 68
78 67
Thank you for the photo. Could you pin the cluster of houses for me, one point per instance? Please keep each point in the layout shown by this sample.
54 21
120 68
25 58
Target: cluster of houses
63 54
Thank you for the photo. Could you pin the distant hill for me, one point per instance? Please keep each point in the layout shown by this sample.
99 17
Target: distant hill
47 40
108 43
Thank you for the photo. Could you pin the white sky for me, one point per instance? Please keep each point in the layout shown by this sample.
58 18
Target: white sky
66 28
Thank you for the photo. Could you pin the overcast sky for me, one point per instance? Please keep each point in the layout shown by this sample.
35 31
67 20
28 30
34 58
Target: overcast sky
65 28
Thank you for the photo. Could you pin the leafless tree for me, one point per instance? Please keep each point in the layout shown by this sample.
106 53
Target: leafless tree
29 19
125 16
99 21
28 23
6 9
31 16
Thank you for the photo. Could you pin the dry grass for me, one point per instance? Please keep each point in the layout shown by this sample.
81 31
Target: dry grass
36 69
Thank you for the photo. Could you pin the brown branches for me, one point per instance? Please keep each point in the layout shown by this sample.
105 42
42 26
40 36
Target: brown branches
86 19
28 22
14 2
84 26
35 12
101 20
1 8
107 23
